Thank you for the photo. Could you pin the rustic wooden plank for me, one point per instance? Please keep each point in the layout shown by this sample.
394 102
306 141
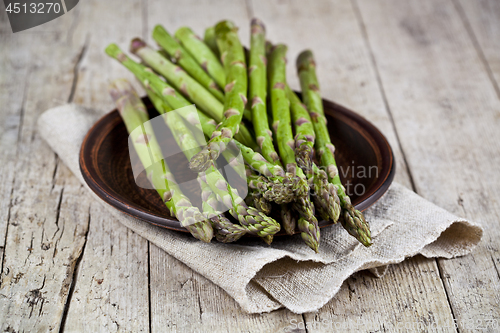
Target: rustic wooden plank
198 15
182 300
111 291
12 89
121 22
111 286
481 19
347 76
446 110
47 219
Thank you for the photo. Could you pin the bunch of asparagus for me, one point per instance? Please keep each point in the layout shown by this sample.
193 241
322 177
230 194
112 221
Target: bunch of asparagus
243 100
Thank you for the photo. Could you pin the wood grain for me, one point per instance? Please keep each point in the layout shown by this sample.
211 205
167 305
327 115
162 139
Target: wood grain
447 111
111 287
46 219
480 18
184 301
110 293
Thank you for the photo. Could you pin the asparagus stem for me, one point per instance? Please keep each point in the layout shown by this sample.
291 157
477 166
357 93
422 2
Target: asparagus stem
233 57
210 40
351 219
202 54
324 195
286 145
170 96
178 78
184 59
258 91
134 115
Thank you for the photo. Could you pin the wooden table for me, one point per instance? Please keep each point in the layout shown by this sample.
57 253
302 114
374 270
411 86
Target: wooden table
426 72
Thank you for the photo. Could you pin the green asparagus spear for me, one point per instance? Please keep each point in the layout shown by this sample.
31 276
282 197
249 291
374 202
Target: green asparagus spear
178 78
280 106
134 115
236 95
260 49
184 59
202 54
258 91
164 90
210 40
324 195
351 219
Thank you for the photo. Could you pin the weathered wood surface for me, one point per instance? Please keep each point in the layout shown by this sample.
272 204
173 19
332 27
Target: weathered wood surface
425 72
447 111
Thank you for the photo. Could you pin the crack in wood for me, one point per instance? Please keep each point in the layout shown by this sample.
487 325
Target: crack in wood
76 68
441 276
35 297
19 131
76 268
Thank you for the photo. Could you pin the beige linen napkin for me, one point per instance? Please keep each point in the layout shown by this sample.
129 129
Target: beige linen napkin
287 274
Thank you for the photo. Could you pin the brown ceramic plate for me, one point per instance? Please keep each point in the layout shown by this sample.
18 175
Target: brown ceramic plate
364 157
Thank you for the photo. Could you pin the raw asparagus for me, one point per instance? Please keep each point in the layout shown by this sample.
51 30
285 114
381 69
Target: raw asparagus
352 220
209 39
184 59
324 193
178 78
236 95
254 221
134 115
202 54
256 192
171 96
258 91
274 183
280 106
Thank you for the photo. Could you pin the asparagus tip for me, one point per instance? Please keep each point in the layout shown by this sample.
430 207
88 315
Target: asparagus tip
268 239
354 222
